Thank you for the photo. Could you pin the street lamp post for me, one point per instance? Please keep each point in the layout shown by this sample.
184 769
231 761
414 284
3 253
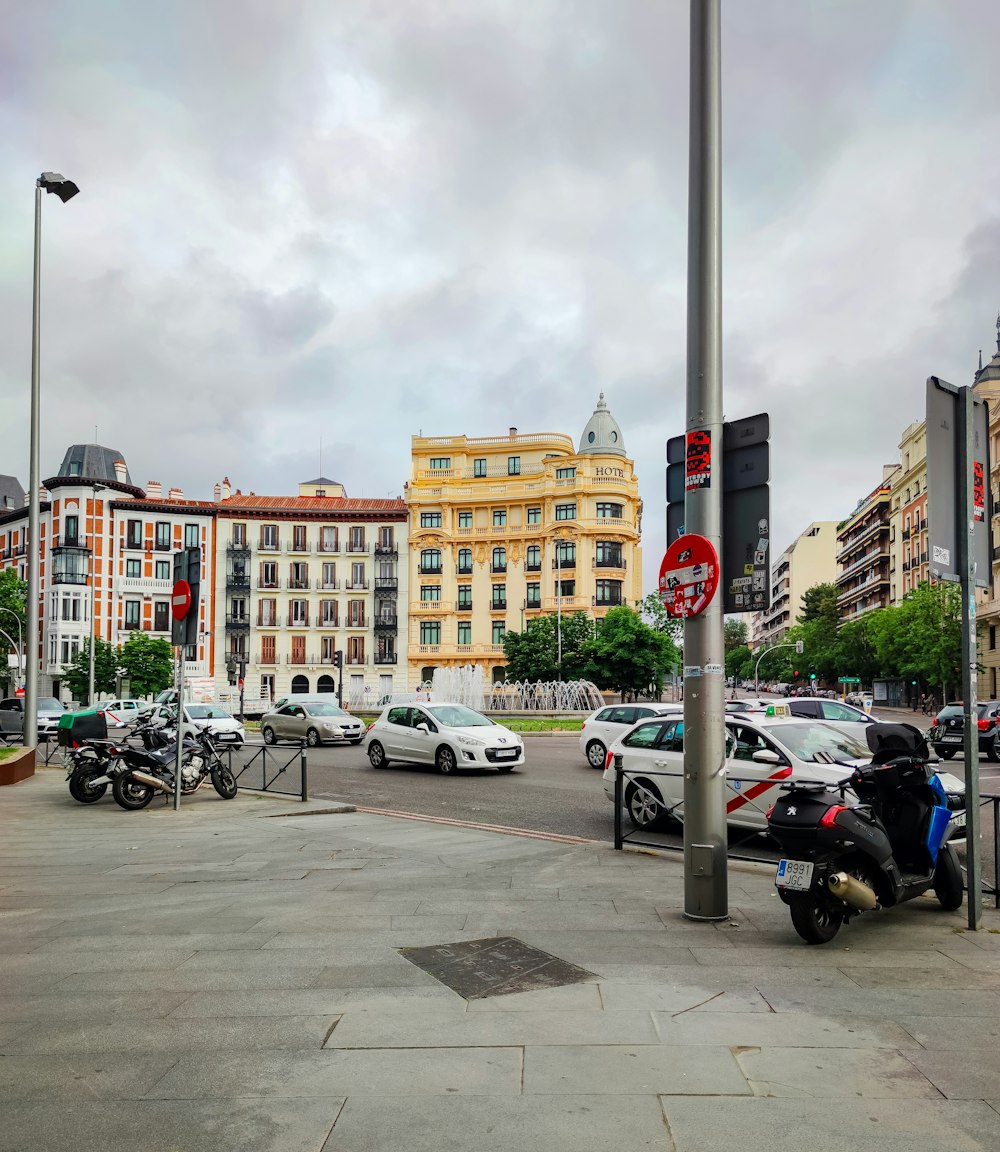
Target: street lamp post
559 544
20 645
65 190
93 596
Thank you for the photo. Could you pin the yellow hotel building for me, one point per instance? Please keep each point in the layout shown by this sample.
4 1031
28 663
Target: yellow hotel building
503 528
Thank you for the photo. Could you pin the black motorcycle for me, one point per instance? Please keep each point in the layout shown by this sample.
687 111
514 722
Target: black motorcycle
151 770
885 844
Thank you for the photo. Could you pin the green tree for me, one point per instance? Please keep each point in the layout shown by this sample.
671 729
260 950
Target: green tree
629 656
533 653
739 663
148 662
13 602
658 618
820 603
856 654
76 674
735 633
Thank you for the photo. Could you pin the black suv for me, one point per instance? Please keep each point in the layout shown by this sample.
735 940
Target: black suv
948 729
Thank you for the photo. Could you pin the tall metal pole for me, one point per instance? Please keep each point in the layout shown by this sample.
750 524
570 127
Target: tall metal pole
558 611
705 843
34 548
20 645
964 526
93 600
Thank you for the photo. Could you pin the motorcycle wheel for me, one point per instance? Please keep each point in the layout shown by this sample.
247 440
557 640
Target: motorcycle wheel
948 886
224 782
816 921
130 794
80 789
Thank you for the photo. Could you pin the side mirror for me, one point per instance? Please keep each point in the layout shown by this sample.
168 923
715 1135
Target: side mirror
423 728
766 756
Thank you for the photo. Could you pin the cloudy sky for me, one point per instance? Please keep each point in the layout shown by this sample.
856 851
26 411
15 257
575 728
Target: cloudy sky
358 220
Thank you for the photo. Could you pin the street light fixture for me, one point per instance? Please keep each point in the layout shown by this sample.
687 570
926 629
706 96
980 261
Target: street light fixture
93 594
20 645
559 543
65 190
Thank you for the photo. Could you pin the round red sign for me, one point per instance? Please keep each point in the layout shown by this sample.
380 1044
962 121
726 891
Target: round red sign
689 576
180 599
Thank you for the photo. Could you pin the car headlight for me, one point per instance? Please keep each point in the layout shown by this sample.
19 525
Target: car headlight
331 727
470 741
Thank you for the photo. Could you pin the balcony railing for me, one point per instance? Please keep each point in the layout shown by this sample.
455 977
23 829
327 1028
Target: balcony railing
232 548
355 622
905 534
77 542
429 569
464 570
144 584
459 649
533 567
323 585
386 552
264 582
498 605
300 658
607 602
238 580
358 549
328 549
297 621
356 586
532 605
69 578
268 658
329 622
355 661
497 568
463 606
433 605
166 546
298 583
270 621
267 546
386 584
563 565
386 623
237 623
616 562
302 546
385 657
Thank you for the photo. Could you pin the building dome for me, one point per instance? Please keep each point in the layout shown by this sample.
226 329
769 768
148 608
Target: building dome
602 436
94 462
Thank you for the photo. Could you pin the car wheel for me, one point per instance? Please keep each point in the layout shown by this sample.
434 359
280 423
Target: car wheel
947 753
445 760
268 734
597 754
376 754
358 741
991 752
644 805
312 738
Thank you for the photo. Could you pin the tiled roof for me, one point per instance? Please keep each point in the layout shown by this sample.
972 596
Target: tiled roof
331 504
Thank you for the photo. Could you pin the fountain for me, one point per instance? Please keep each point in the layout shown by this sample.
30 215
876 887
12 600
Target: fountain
467 685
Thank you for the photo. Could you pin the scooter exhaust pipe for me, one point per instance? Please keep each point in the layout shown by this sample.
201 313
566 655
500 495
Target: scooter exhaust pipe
152 781
852 891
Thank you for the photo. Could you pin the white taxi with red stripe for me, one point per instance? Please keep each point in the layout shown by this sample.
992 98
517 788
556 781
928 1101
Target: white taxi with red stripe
763 753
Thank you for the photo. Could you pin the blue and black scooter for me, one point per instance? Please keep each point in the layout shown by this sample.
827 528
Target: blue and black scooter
848 856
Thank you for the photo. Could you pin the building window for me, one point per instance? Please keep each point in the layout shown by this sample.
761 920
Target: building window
161 616
565 473
298 575
534 515
534 596
239 535
464 597
162 569
357 540
328 613
298 613
133 608
269 537
355 651
298 537
358 575
464 561
268 574
267 613
192 536
499 597
430 519
513 465
608 592
71 534
163 535
329 574
430 560
134 534
328 539
355 613
499 517
464 632
566 587
499 628
465 519
565 511
533 558
267 645
993 637
430 591
327 648
386 539
606 511
74 470
298 649
133 568
565 554
430 632
479 466
499 563
609 554
439 463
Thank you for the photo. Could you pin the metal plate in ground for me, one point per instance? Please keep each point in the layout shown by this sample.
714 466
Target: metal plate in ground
494 967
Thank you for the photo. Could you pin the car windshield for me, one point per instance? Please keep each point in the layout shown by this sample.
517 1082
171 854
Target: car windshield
324 710
206 712
49 704
805 740
456 716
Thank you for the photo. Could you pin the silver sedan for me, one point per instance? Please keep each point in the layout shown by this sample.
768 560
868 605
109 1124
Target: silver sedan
315 721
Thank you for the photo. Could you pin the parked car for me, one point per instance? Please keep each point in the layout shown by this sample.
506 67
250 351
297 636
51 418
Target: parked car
449 736
947 731
208 717
751 704
763 753
118 713
603 727
856 720
49 713
315 720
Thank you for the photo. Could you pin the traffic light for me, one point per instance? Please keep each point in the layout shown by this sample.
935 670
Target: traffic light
796 673
812 675
338 659
799 646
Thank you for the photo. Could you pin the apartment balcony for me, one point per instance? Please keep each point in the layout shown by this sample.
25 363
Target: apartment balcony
427 606
301 658
268 547
607 602
386 623
356 586
498 605
267 621
329 622
356 622
564 565
498 569
237 624
298 584
463 606
238 580
267 659
361 549
385 657
620 564
386 552
302 546
232 549
386 584
323 585
430 570
69 577
866 561
905 534
529 568
464 570
70 540
866 588
354 661
328 549
854 542
297 621
268 585
166 546
457 649
567 603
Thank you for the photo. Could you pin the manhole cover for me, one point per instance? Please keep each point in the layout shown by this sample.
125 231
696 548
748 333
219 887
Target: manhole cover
494 967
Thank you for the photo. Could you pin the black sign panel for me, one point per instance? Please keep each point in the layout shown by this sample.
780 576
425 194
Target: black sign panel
746 467
187 566
746 550
746 432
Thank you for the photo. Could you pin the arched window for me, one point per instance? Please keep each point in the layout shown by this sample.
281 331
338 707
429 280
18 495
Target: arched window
499 674
426 675
430 560
300 684
499 560
325 684
533 558
464 561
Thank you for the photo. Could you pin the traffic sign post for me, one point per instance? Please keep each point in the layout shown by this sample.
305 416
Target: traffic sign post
689 576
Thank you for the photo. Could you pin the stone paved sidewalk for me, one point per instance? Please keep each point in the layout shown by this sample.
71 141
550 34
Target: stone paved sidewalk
228 978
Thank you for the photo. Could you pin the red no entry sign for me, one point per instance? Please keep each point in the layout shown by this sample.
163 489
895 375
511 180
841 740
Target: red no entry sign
180 599
689 576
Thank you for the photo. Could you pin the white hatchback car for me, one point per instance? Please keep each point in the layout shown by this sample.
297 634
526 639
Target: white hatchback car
603 727
448 736
118 713
763 753
208 717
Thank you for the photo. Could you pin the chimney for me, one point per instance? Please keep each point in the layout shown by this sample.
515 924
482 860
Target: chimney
154 490
513 433
217 493
175 494
121 472
226 488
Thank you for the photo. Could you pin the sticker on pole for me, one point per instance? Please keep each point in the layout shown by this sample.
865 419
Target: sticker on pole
689 576
698 461
180 599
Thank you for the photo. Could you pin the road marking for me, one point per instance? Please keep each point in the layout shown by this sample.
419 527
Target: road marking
555 837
